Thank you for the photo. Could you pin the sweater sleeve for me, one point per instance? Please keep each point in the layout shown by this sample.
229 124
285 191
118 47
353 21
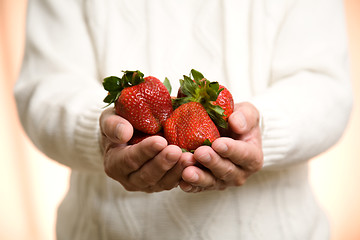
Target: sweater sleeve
58 93
308 101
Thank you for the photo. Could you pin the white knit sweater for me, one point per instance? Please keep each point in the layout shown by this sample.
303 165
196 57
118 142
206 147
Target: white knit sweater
288 57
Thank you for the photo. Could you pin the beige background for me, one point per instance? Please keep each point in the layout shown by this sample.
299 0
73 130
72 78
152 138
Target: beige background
31 185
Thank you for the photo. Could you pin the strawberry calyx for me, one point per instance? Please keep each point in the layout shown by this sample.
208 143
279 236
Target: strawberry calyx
207 142
114 85
196 88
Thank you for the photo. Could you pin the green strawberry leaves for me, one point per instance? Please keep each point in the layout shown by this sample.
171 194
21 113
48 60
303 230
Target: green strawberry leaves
197 88
114 85
167 85
216 112
207 142
198 77
132 78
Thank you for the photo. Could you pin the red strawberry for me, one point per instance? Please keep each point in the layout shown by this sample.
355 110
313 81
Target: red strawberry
225 101
190 127
144 102
216 99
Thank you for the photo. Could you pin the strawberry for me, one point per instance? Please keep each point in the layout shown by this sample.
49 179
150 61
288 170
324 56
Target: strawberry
144 102
190 127
216 99
225 101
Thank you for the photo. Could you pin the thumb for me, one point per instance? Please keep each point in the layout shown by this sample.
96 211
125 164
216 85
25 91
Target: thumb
114 127
244 118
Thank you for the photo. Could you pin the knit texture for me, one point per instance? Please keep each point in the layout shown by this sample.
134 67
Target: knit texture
288 58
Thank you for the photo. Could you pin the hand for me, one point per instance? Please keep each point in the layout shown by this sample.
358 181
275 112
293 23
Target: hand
149 166
230 160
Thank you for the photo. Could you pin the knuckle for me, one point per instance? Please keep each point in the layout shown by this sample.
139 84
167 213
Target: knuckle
240 181
246 153
256 164
130 162
147 178
166 186
212 184
164 167
251 168
221 185
229 173
150 190
131 165
108 167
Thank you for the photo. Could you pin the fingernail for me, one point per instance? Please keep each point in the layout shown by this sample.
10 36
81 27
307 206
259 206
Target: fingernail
194 177
172 157
204 158
185 164
241 120
159 146
187 188
221 147
119 130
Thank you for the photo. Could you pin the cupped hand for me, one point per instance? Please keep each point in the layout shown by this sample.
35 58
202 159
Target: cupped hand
149 166
230 160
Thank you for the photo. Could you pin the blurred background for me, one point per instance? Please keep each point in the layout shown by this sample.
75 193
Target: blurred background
31 186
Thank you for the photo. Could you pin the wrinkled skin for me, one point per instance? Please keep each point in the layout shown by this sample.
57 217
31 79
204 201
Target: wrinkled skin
230 160
152 165
149 166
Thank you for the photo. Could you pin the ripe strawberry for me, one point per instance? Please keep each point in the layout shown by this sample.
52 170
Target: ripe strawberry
225 101
190 127
216 99
144 102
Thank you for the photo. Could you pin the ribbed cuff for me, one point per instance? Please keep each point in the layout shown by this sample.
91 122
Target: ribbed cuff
87 140
275 135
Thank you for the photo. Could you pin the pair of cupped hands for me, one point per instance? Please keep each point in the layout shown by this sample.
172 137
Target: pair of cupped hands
153 166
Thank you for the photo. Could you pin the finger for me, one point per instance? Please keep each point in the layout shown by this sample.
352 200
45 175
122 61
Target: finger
187 187
172 178
152 171
221 168
244 118
198 178
244 154
114 127
131 158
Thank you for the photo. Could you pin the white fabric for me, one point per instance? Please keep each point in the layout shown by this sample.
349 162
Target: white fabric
289 58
